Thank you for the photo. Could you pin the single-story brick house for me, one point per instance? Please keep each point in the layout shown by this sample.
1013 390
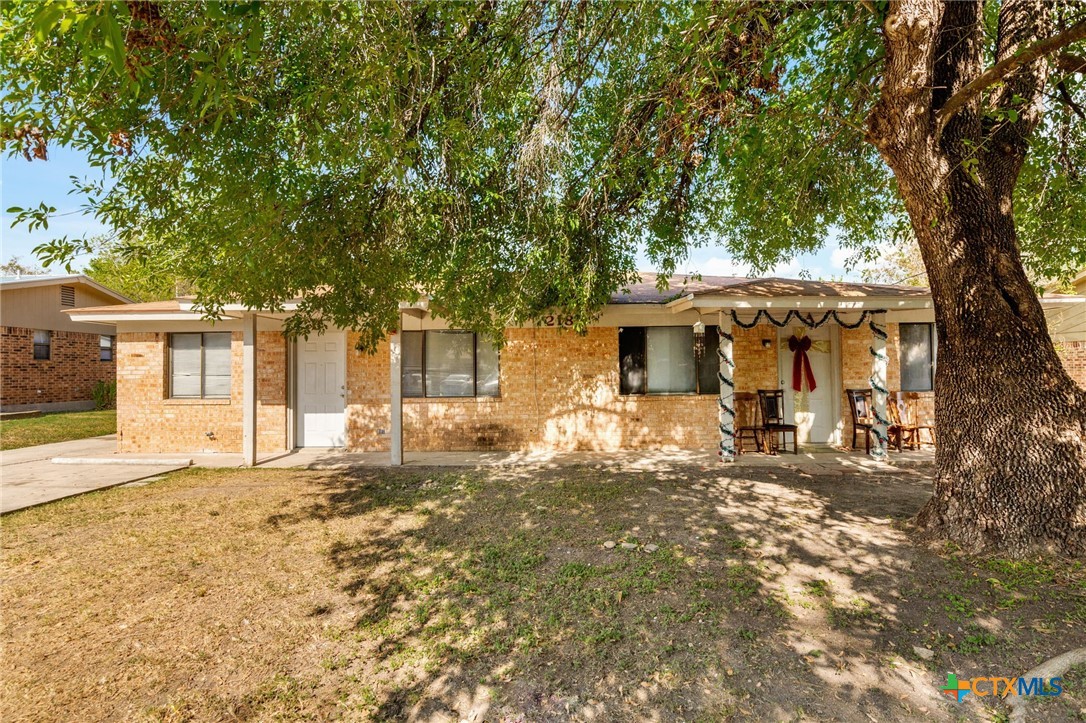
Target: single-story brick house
657 370
48 360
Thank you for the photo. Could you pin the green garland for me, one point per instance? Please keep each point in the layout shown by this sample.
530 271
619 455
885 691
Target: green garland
796 315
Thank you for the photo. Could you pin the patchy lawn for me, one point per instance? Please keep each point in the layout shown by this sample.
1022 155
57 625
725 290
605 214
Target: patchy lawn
435 594
58 427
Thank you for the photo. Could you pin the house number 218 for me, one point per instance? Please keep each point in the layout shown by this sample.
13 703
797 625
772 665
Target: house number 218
552 320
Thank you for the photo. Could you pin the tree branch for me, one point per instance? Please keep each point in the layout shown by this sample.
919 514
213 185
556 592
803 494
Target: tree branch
1005 67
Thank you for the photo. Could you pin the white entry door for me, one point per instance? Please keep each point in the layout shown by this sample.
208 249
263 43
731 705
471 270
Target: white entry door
813 412
322 390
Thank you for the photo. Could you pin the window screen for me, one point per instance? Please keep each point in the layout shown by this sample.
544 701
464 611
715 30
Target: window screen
217 363
917 347
450 364
412 363
200 365
105 348
670 360
43 342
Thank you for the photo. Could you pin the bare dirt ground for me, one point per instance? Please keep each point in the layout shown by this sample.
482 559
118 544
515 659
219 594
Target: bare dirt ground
438 594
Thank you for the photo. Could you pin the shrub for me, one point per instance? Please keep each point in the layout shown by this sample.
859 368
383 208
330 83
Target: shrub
104 395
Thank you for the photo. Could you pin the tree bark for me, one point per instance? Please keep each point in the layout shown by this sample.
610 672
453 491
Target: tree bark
1011 461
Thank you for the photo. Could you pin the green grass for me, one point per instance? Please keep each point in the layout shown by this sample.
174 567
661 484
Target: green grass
59 427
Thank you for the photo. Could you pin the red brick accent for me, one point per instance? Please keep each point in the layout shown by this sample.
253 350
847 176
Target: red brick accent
1073 354
68 375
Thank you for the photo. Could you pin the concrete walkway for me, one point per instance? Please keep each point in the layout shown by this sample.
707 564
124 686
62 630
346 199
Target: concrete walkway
28 476
334 458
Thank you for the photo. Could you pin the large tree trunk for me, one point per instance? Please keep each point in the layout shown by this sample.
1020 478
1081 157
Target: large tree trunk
1011 462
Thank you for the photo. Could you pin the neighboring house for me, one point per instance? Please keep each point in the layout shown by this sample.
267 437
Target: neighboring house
641 378
48 361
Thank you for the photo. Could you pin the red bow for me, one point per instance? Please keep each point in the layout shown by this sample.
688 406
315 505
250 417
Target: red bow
801 364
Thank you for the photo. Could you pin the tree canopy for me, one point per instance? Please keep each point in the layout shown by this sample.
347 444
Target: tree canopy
504 157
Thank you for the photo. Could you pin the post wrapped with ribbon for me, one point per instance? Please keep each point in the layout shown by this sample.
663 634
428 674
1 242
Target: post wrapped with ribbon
801 363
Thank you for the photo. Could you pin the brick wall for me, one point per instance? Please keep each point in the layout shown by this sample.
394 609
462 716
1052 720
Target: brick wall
148 421
1073 354
68 375
558 391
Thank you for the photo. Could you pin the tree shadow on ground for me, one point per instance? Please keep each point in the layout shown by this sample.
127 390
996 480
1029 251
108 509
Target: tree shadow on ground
770 593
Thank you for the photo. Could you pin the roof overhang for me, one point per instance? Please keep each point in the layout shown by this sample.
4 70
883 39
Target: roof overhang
31 281
114 318
707 302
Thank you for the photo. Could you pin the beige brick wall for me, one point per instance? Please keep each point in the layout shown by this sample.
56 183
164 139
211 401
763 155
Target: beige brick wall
148 421
558 391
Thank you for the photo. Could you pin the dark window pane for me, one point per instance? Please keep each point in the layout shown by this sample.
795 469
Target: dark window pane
709 363
412 363
917 357
43 340
450 364
105 348
631 360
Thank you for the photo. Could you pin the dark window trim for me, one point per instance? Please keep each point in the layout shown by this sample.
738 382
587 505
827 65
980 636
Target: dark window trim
474 367
203 376
645 355
47 346
933 354
105 348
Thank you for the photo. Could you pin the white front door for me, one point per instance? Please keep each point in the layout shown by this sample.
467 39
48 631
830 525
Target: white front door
813 411
322 390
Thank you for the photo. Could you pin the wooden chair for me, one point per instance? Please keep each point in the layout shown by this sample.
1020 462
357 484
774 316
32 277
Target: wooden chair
912 407
900 432
746 423
859 402
771 404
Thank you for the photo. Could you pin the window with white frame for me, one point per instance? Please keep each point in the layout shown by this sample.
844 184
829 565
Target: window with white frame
918 351
666 360
43 344
200 365
105 348
449 363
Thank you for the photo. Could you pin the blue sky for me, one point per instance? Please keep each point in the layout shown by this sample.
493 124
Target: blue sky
26 184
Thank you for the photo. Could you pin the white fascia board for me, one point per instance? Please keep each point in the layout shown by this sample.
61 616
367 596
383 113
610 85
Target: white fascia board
150 316
826 303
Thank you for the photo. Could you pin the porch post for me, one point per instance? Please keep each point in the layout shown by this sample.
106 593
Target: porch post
395 352
248 381
727 388
879 390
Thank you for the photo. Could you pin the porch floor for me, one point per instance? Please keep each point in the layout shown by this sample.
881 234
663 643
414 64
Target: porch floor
823 461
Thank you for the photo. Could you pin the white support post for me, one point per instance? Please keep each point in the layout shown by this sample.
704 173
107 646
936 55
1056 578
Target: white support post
879 389
248 404
395 351
726 374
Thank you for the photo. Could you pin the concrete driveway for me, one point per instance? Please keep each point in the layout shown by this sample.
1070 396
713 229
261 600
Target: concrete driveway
28 476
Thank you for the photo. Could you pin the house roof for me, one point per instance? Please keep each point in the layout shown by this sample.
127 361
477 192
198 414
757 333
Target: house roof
646 292
146 307
25 282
